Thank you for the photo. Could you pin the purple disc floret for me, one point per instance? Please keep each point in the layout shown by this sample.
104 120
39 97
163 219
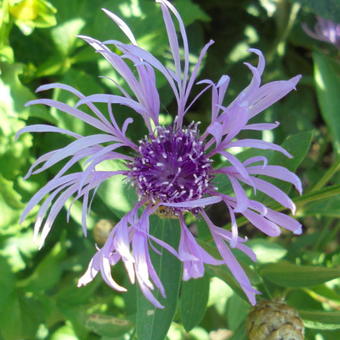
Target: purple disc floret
172 167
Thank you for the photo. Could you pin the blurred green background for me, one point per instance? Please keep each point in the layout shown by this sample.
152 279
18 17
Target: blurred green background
38 45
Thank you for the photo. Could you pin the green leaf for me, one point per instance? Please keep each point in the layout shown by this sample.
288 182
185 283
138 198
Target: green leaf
240 333
117 194
328 207
65 35
65 332
6 282
291 275
48 271
153 323
11 319
329 9
327 81
237 311
323 194
267 251
193 301
106 325
10 204
224 274
321 319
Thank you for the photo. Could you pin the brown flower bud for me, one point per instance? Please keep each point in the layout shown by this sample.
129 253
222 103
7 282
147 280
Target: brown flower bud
102 230
274 320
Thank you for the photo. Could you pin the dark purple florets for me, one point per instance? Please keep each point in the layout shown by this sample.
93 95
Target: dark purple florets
172 167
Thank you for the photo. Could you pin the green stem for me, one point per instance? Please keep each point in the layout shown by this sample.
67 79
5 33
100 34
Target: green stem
324 232
327 176
286 16
324 193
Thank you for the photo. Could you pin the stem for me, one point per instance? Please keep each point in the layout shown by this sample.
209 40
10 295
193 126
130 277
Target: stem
327 176
286 16
327 192
324 232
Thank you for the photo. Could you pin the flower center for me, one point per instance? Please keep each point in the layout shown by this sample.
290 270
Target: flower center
172 167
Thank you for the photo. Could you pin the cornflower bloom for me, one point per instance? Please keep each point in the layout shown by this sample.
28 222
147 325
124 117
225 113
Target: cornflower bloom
325 30
171 168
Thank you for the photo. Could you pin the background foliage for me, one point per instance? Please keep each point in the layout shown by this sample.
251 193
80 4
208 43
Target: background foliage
38 294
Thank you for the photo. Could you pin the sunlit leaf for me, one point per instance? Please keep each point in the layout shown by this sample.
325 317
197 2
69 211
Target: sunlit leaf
106 325
153 323
193 301
237 311
327 80
267 251
291 275
321 319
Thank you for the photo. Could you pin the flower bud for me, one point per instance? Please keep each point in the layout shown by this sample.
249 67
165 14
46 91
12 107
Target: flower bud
102 230
274 320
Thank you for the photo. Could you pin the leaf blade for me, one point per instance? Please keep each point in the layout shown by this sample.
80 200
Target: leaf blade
194 299
153 323
286 274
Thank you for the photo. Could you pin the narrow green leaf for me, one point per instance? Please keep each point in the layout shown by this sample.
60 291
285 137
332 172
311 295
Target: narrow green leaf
106 325
194 299
321 319
153 323
323 194
291 275
328 207
327 80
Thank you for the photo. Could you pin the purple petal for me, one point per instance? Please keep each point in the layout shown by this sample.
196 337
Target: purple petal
262 126
285 221
270 93
202 202
261 223
275 193
279 172
76 93
71 111
259 144
240 195
46 128
121 24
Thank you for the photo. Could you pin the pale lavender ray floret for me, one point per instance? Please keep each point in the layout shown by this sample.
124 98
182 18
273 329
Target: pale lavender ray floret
325 30
171 168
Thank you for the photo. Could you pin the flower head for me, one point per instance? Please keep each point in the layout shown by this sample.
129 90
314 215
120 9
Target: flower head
325 30
172 168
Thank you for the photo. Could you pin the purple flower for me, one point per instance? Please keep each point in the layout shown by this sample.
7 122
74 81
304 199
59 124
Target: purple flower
172 167
325 30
